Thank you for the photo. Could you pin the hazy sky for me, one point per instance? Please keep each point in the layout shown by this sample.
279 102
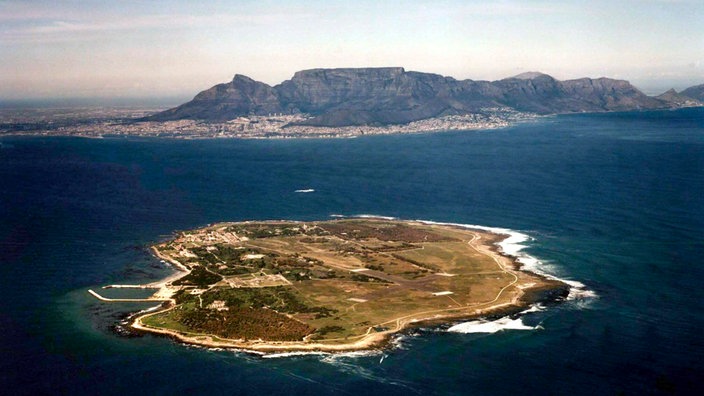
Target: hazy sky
178 48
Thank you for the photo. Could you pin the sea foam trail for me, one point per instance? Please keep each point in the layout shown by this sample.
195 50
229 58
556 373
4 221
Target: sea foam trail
292 354
373 216
346 365
331 356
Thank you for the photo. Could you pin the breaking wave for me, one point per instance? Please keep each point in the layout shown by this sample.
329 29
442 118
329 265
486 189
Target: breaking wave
481 326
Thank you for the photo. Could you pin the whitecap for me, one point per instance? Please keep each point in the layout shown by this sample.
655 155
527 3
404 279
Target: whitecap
480 326
533 308
305 190
351 354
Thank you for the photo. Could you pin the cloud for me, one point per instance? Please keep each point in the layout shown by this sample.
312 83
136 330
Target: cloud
21 23
512 8
155 22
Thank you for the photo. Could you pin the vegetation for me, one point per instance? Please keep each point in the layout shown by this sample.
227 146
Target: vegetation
330 329
199 277
364 278
281 299
243 323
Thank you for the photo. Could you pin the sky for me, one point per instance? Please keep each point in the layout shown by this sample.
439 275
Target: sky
174 49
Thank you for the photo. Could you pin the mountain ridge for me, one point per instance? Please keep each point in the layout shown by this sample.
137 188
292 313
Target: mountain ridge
391 95
696 92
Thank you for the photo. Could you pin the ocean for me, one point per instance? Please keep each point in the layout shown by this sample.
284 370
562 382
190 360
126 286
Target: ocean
614 201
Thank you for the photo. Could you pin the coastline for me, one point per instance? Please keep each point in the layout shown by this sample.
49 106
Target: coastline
268 127
549 289
277 127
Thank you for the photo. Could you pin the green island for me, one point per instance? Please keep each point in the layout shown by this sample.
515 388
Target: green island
339 285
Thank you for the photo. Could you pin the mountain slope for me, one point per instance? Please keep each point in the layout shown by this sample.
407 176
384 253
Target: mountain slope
695 92
678 99
224 102
392 95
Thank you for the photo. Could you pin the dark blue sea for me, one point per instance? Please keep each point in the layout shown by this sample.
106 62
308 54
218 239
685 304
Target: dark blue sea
614 201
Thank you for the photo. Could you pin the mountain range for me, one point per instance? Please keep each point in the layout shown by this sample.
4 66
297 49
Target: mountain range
392 95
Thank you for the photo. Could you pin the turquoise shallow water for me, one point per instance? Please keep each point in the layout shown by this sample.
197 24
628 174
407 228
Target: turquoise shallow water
611 200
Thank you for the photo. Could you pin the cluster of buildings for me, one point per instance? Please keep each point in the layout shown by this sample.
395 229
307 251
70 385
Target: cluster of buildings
282 126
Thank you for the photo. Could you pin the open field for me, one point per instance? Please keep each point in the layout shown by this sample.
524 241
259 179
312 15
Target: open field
335 285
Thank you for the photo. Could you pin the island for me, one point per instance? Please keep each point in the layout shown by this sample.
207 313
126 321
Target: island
339 285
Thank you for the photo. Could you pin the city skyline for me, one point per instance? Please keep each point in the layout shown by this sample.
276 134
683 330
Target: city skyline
83 49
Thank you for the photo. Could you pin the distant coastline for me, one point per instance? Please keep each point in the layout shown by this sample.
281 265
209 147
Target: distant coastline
275 126
378 96
351 102
101 123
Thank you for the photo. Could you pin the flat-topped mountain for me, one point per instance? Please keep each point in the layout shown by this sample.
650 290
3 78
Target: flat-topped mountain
339 97
392 95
